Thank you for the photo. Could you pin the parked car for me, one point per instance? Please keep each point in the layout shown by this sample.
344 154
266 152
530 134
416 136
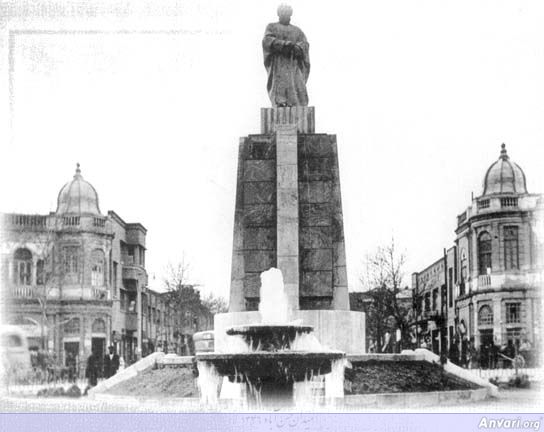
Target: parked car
204 341
14 351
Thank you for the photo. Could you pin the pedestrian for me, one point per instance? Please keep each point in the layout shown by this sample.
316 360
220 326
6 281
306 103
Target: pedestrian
453 352
493 355
92 369
111 363
473 356
525 351
464 352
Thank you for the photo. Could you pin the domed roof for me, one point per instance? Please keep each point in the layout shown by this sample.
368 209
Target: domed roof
78 197
504 176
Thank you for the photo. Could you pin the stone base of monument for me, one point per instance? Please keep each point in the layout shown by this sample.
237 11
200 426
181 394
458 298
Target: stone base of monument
335 329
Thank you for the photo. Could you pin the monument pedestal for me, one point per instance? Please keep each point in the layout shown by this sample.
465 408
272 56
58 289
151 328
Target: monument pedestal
288 215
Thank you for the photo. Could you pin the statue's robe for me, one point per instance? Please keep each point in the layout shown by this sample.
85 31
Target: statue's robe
287 73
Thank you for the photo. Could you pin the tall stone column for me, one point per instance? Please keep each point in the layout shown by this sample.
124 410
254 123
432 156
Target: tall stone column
139 319
287 227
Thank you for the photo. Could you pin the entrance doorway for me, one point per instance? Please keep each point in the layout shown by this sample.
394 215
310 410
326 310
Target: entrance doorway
487 348
71 359
98 345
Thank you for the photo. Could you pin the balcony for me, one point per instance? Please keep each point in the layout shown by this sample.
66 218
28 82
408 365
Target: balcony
100 294
69 292
430 315
24 221
131 321
511 280
484 281
133 272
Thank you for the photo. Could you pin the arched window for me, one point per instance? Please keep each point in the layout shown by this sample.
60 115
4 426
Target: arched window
71 260
22 267
99 326
485 316
511 249
484 253
72 326
97 268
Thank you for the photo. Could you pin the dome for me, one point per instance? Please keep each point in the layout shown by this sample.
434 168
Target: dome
504 176
78 197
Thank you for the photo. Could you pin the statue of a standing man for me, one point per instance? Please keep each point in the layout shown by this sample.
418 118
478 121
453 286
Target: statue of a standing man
287 61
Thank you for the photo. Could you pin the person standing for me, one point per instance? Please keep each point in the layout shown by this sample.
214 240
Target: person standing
92 369
111 363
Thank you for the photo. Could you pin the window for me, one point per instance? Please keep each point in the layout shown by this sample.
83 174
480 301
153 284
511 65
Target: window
114 280
484 253
450 287
40 272
22 267
513 313
485 316
99 326
71 260
435 298
427 302
511 249
97 268
513 336
72 326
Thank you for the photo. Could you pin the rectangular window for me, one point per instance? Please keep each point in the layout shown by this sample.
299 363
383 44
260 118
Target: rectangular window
427 302
450 287
435 299
511 248
514 335
40 272
71 259
114 280
513 313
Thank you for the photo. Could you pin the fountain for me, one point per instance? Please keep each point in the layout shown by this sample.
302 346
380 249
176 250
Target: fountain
275 360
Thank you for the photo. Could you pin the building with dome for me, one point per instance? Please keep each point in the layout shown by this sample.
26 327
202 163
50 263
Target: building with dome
75 280
487 288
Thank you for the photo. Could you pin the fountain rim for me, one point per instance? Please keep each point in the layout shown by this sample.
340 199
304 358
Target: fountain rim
246 329
272 355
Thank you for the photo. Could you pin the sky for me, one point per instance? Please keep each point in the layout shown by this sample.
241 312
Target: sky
152 103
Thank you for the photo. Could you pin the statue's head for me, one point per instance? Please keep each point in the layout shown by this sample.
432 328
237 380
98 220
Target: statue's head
284 12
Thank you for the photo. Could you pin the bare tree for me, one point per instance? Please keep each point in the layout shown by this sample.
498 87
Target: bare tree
49 272
382 281
215 304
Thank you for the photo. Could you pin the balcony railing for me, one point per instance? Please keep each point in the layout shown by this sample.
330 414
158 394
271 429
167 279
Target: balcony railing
23 291
461 218
484 280
100 294
483 204
99 222
71 220
509 202
27 220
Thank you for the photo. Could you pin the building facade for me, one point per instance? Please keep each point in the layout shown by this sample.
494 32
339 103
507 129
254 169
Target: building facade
487 288
75 281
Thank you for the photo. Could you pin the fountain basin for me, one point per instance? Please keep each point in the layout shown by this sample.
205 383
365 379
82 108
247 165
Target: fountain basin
269 337
287 367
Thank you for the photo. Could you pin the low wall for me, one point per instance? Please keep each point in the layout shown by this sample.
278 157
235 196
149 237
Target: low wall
335 329
412 400
127 373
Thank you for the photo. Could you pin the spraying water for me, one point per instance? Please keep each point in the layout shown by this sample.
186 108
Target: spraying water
298 375
273 305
